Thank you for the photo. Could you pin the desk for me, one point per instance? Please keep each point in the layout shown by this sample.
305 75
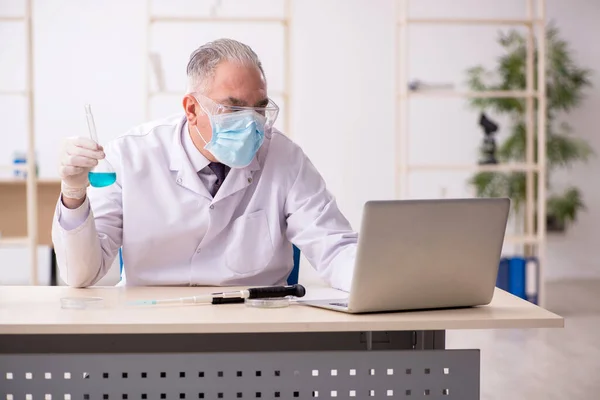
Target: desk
231 351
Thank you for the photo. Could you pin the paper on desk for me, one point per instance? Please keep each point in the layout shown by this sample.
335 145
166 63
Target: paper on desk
322 293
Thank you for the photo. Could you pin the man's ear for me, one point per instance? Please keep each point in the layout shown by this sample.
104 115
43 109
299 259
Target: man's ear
192 109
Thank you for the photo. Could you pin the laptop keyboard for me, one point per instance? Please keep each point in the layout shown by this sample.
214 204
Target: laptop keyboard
340 304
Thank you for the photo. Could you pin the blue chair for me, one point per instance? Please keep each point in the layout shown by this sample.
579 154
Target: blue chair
293 277
291 280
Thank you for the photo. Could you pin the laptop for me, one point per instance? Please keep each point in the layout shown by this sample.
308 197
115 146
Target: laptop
425 254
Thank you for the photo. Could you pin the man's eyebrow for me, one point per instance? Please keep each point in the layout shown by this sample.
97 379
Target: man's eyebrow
232 101
263 103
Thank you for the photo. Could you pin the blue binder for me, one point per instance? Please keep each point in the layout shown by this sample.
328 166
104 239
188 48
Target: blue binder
502 280
516 277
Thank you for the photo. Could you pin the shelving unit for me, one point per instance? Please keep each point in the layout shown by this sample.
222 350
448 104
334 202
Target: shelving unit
534 236
31 240
285 21
481 95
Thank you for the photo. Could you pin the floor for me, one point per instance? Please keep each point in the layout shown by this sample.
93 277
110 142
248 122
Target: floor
548 364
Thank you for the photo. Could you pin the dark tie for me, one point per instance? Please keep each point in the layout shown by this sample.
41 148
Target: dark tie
220 171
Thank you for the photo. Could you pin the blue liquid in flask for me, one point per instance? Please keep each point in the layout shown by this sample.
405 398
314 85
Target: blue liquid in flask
102 179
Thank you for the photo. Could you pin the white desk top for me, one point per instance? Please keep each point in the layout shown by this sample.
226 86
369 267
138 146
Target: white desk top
37 310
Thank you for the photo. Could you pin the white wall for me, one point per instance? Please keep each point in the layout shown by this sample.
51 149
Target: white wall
343 89
574 255
441 54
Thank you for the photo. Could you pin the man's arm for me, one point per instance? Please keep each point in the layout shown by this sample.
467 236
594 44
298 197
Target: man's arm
87 234
318 228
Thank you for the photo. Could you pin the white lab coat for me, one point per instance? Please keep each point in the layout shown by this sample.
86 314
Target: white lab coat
173 232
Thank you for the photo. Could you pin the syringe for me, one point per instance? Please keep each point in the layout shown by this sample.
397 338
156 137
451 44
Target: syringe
236 296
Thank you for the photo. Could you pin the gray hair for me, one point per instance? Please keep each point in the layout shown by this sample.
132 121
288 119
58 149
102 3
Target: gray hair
204 60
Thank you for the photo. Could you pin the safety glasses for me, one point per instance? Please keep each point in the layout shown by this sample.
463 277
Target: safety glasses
212 108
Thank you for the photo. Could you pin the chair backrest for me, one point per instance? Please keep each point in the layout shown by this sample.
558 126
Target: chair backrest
291 280
293 276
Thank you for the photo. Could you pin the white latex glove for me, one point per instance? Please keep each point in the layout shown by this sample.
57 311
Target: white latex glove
77 157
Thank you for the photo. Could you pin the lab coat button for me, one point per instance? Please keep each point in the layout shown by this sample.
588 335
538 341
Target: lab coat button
212 207
179 180
198 251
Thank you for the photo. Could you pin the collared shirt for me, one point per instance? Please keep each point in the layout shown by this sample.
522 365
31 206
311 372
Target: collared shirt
199 162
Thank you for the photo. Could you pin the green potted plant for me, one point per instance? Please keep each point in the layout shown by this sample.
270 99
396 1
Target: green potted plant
565 84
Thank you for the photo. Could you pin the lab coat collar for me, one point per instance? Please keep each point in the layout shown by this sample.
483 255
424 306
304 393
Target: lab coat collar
199 162
187 176
237 179
176 152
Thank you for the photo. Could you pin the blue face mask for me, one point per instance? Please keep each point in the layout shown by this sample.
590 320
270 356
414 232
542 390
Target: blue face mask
236 137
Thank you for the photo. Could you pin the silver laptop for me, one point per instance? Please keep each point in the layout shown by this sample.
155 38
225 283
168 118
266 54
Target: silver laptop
425 254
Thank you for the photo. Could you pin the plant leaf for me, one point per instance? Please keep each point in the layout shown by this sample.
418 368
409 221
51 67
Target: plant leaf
564 207
565 85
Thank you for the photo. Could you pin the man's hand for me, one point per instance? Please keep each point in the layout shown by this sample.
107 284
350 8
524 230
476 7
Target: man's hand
77 157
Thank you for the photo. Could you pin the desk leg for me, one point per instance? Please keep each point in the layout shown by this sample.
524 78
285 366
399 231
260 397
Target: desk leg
378 365
429 340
